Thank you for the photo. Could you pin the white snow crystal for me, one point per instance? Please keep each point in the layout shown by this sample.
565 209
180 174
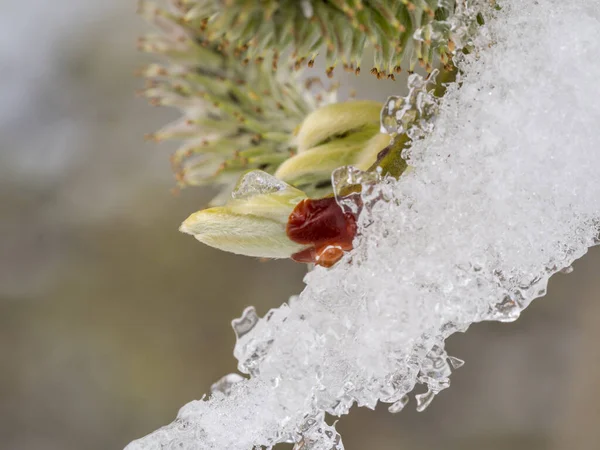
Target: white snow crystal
505 192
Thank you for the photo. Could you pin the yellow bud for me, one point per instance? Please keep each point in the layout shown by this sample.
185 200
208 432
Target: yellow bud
253 223
241 234
335 119
317 163
371 149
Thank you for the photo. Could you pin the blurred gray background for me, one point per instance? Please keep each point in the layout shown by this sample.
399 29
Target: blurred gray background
110 319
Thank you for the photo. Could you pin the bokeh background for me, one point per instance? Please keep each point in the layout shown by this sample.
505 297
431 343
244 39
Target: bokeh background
110 320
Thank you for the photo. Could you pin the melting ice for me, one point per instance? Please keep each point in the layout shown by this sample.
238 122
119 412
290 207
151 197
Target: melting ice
504 193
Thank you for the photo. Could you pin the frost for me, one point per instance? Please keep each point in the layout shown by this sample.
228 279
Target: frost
257 182
504 193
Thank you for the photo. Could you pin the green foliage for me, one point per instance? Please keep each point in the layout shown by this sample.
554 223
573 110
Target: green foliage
236 116
341 28
233 69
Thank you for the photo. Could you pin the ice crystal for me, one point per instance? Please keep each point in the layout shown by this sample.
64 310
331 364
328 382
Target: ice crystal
257 182
504 193
413 114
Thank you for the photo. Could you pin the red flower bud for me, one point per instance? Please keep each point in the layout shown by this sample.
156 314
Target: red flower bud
325 227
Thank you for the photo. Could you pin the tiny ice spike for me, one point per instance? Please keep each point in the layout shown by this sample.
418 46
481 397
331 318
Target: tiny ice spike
504 193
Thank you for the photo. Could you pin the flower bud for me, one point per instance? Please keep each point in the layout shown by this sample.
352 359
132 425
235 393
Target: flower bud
336 119
253 222
336 135
359 149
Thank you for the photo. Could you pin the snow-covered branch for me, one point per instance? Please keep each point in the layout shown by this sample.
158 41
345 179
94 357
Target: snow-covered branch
504 193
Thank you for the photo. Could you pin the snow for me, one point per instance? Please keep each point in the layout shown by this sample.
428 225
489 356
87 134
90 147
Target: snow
504 193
